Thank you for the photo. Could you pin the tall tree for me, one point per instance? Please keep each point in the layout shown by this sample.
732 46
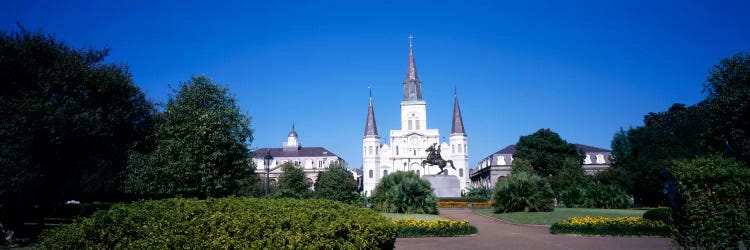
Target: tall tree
728 88
546 152
201 146
336 183
292 183
67 122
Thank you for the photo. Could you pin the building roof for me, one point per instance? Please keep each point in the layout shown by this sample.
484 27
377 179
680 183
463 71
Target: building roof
302 152
371 128
511 149
458 120
412 85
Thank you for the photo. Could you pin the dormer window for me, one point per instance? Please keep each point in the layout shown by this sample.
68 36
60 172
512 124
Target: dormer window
587 160
600 159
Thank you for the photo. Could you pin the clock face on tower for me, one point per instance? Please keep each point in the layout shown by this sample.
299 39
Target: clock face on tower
414 141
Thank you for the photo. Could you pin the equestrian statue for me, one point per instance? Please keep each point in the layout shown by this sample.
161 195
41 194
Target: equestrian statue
434 158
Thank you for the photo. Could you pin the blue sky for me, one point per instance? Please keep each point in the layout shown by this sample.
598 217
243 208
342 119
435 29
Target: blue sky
581 68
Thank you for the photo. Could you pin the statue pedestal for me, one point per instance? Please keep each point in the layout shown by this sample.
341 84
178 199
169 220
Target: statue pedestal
444 185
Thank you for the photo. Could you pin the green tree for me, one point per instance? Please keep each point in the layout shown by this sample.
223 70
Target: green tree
546 152
521 165
67 123
404 192
728 88
666 136
336 183
572 175
292 183
200 149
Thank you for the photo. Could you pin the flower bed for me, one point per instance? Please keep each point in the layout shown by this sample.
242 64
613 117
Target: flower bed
417 228
464 204
619 226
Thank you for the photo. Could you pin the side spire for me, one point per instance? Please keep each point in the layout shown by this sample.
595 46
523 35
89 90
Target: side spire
412 85
371 129
458 120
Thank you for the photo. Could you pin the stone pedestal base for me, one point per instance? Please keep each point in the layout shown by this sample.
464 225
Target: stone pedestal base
444 185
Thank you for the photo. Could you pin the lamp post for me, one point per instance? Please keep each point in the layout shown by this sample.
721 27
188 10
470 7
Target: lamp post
267 162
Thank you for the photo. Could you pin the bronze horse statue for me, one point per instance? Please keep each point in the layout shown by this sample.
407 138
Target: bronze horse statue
434 158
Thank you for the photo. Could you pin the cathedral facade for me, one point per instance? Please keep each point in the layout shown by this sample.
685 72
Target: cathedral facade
408 144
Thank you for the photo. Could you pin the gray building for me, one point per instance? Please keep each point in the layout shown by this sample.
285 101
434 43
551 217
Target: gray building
499 164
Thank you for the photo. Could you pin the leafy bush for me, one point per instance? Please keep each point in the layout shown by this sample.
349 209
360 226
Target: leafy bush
464 199
611 226
238 223
716 208
598 195
571 197
659 214
523 192
444 228
404 192
481 192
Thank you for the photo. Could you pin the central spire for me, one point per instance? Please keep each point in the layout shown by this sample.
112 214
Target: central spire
371 129
412 85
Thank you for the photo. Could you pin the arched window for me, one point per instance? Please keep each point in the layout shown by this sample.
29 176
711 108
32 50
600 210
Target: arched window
385 172
410 124
417 171
370 172
459 148
417 122
376 150
369 150
460 172
396 149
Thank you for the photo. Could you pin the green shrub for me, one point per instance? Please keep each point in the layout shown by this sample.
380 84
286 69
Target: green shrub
292 183
571 197
227 223
443 228
716 208
659 214
598 195
464 199
482 192
404 192
610 226
525 192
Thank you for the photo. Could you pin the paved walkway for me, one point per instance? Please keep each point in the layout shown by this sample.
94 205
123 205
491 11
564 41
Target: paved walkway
494 234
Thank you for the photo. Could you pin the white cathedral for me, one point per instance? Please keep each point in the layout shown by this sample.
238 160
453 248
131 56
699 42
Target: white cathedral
407 145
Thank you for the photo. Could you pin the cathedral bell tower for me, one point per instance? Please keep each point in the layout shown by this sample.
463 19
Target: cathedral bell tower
370 151
459 149
413 107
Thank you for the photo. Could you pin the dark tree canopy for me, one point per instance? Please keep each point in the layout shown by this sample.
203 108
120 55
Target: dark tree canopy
67 122
292 183
201 146
728 88
545 151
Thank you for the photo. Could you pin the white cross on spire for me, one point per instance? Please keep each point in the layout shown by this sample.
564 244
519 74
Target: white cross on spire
410 37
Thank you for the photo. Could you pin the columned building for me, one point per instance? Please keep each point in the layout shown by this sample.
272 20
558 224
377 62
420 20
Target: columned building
407 144
312 160
499 164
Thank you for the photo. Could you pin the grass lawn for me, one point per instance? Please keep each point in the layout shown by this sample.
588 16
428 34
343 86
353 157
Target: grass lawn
548 218
424 217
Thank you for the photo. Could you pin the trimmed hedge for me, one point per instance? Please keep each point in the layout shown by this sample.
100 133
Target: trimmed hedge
239 223
461 204
443 228
659 214
464 199
715 214
619 226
